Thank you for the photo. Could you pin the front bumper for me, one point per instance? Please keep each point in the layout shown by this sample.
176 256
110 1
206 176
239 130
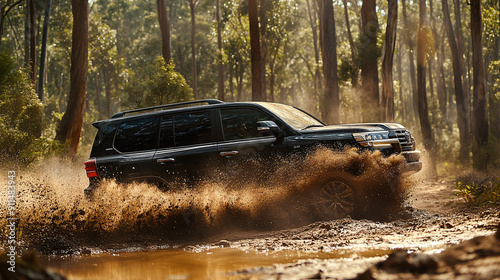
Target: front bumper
413 163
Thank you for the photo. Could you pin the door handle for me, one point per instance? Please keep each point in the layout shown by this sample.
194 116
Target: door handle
230 153
164 160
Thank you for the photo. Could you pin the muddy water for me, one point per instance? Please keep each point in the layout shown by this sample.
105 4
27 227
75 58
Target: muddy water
215 263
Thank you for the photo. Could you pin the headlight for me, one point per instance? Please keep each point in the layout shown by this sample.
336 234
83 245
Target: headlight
370 136
379 139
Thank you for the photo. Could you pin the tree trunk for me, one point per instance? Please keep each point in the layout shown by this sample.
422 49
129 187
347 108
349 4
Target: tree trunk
314 28
463 72
480 123
194 71
441 84
71 124
264 6
4 11
368 59
387 62
220 69
462 120
423 111
43 55
107 88
164 21
402 109
331 102
255 56
413 110
98 96
32 41
355 71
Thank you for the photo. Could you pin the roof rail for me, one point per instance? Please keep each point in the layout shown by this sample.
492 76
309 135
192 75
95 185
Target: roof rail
181 104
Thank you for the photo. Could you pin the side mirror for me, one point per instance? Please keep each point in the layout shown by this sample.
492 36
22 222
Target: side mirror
267 128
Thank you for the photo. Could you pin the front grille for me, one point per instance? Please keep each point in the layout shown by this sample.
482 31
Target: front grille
405 140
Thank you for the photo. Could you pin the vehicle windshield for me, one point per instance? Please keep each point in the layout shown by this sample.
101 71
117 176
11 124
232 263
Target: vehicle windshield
293 116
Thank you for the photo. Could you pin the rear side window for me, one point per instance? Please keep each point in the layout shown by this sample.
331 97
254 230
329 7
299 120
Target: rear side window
192 128
137 135
241 123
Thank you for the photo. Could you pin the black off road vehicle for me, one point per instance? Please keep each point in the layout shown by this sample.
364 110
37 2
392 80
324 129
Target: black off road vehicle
190 140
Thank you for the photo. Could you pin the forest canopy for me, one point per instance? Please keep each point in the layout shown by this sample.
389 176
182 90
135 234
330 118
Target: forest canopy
432 66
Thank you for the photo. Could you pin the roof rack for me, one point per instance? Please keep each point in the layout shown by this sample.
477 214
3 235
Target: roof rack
181 104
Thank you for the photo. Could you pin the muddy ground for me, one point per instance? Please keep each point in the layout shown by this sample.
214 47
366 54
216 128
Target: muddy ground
54 218
435 220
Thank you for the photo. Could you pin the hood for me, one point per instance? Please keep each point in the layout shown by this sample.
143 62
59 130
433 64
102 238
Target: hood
358 127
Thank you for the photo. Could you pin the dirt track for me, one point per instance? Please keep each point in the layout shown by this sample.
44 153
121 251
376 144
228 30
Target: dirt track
435 220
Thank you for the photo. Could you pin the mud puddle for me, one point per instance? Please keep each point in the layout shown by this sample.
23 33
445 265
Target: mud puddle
210 263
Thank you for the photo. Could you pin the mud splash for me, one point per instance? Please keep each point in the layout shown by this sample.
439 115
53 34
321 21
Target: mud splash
52 210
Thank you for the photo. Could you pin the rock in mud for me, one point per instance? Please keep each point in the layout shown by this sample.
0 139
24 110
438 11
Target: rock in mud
477 258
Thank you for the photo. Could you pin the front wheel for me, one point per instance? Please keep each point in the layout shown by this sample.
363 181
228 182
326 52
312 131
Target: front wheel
335 198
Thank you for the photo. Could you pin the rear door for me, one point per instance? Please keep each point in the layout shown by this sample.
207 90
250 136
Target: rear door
188 147
135 144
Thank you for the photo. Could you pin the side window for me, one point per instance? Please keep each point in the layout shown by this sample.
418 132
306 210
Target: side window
137 135
192 128
241 123
167 132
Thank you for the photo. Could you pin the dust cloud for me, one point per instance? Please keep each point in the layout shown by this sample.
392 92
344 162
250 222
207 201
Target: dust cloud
50 199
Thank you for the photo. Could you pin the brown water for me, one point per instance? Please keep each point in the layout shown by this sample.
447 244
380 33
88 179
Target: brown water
215 263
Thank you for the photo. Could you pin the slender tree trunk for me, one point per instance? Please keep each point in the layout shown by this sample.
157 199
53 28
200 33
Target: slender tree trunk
369 58
164 21
353 47
331 102
387 61
462 120
480 112
264 6
423 110
220 67
107 88
314 28
441 83
463 72
253 16
71 124
194 73
98 96
43 55
399 62
413 110
32 41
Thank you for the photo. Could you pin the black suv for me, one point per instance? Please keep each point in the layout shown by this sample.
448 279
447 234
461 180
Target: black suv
191 139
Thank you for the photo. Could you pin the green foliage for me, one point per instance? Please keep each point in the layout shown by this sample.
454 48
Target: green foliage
156 84
20 117
478 192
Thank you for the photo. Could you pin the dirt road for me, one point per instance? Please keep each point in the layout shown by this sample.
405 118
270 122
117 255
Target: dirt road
435 220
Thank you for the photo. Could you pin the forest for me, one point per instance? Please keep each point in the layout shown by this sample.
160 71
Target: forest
432 66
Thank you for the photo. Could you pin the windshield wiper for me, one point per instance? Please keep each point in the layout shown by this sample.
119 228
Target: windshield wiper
312 125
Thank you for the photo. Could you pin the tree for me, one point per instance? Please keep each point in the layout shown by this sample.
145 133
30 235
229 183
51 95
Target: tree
331 102
423 110
192 9
462 119
220 69
411 61
353 47
43 55
480 123
164 21
387 61
5 8
70 128
156 84
253 17
368 57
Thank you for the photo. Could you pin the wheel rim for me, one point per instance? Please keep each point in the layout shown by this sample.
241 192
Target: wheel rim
335 200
